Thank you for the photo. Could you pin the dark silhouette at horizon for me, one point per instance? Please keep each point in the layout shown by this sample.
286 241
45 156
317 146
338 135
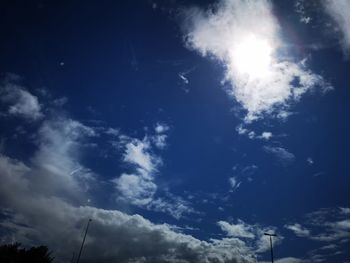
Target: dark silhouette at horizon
14 253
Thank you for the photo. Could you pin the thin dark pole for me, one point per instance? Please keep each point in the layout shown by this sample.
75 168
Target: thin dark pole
271 249
82 243
270 236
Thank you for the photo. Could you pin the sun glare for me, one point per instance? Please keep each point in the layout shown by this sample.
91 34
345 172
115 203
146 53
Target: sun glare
253 57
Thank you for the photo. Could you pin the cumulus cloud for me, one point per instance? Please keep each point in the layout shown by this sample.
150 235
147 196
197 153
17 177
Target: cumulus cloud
113 237
244 36
18 101
283 155
339 10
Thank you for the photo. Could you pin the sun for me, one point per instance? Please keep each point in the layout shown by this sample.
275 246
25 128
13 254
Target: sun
253 56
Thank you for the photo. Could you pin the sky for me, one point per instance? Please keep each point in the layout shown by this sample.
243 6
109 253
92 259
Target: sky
184 129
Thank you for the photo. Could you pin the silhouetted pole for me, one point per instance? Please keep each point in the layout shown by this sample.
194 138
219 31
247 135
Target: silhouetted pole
270 235
82 243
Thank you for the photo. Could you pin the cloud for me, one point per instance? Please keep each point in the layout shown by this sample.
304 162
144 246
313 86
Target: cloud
183 78
253 233
43 201
339 10
56 164
135 188
310 161
159 139
173 205
300 9
345 210
19 101
237 230
139 187
325 225
234 183
244 36
282 154
298 230
241 130
113 236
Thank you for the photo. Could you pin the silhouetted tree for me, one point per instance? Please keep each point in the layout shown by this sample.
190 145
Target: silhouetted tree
13 253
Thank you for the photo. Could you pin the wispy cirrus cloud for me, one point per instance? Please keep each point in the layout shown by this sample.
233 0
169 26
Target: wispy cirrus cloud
244 36
283 155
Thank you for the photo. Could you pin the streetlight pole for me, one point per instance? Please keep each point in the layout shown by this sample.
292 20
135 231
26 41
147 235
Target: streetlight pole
82 243
270 235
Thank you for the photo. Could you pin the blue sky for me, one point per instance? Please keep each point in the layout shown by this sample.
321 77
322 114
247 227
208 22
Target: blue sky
184 129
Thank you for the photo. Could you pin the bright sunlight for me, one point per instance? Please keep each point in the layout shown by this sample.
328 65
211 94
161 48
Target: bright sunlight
253 56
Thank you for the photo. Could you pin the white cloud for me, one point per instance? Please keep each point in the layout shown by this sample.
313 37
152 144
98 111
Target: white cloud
138 188
113 237
113 131
345 210
298 230
240 229
339 10
326 225
159 139
19 101
234 183
254 233
300 9
183 78
244 36
173 205
282 154
56 164
135 188
266 135
242 130
310 161
137 152
161 127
